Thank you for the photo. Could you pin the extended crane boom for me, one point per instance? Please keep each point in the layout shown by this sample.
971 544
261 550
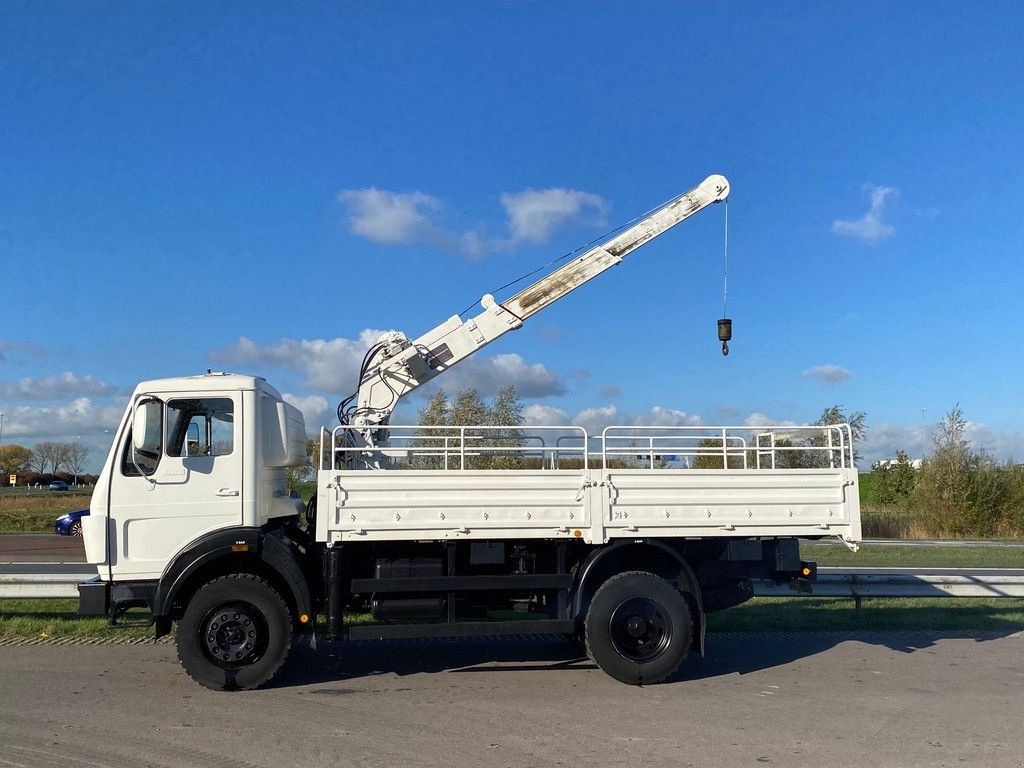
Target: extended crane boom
394 366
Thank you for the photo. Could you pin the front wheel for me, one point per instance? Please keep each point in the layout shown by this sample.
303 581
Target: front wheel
638 628
235 634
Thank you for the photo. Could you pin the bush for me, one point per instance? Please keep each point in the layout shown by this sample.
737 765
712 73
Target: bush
964 493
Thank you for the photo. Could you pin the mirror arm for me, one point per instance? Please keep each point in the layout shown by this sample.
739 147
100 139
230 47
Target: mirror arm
139 469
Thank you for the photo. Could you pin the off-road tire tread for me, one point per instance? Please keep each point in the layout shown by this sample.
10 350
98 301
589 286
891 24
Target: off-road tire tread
279 603
639 678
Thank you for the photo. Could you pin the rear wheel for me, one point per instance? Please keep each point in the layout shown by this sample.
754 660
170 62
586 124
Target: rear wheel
235 634
76 528
638 628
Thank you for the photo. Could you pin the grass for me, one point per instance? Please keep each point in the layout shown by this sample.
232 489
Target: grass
56 619
807 614
908 557
35 512
53 619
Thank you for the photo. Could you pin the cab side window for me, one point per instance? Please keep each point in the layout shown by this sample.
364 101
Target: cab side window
200 427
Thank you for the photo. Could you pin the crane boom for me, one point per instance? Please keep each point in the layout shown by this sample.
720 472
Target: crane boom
395 366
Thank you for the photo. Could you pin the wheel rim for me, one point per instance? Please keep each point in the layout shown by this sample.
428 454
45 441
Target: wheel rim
76 528
640 629
234 634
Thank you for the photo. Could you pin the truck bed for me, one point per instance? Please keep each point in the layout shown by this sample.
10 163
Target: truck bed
626 490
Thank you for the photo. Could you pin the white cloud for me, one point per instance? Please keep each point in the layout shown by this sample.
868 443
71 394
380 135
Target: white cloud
331 366
660 416
489 374
388 217
313 407
594 420
1003 445
534 214
537 414
827 374
870 226
401 218
760 420
79 416
59 387
882 441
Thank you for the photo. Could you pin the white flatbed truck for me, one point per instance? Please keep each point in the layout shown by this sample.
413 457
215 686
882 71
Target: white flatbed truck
623 541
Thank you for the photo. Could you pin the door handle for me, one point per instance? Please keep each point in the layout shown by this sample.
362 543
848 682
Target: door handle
227 492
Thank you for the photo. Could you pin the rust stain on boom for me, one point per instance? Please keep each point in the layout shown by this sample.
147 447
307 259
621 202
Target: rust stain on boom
626 243
553 286
596 260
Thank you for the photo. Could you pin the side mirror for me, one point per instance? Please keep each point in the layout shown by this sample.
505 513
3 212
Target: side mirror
147 431
146 425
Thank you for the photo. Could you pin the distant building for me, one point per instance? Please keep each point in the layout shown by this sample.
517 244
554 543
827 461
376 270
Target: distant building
893 463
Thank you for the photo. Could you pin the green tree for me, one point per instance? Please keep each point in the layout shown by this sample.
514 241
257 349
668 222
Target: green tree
710 455
836 414
469 410
306 471
894 482
429 446
506 411
792 454
945 477
14 459
961 491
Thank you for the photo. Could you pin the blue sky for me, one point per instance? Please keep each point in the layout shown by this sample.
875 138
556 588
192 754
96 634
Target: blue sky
254 186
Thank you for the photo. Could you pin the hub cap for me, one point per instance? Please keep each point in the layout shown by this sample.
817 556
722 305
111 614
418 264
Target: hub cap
640 629
234 634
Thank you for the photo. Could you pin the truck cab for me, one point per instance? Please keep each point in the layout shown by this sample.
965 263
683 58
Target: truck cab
192 456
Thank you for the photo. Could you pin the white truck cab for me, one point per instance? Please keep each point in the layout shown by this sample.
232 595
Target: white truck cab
192 455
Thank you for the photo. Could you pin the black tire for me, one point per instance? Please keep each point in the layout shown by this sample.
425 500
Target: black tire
235 634
638 628
76 528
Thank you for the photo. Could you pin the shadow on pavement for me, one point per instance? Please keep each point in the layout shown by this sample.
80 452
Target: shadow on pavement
727 653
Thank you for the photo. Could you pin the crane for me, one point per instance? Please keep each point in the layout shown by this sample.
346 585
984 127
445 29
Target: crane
395 366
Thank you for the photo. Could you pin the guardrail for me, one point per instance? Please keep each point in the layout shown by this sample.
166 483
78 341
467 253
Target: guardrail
909 584
33 586
882 582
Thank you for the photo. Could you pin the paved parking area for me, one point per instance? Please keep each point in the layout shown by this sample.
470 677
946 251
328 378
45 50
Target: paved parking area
883 699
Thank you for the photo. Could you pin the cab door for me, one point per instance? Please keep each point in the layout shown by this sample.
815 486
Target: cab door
181 479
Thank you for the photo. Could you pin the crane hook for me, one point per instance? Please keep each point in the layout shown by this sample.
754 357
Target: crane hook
725 334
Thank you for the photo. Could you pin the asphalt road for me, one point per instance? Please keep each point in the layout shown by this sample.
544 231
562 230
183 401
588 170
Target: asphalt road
794 700
41 547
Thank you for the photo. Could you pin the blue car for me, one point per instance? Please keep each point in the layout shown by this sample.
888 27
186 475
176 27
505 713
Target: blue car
71 523
58 485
